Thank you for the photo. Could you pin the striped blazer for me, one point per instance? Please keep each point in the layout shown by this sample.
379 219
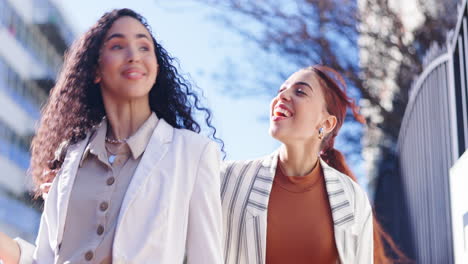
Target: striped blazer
245 191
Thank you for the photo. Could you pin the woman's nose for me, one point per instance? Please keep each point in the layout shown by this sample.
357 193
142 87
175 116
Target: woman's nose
285 95
133 55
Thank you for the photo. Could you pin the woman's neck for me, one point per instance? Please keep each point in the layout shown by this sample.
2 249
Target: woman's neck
126 118
298 160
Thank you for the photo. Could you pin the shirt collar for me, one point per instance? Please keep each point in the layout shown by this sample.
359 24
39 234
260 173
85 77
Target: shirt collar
96 143
138 141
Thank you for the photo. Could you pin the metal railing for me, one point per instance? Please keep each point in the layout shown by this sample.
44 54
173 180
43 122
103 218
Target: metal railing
432 137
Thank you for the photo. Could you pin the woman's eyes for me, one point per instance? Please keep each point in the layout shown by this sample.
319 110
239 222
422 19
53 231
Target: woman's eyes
297 90
119 47
300 91
116 47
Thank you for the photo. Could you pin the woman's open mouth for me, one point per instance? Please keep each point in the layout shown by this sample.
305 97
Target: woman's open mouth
280 113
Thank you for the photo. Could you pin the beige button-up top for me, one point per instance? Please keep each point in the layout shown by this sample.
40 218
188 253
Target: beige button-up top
97 195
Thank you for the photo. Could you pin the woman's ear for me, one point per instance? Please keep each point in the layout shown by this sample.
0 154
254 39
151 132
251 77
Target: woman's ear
97 76
97 79
329 124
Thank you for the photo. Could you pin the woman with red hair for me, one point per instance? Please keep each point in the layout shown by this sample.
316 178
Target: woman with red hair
301 204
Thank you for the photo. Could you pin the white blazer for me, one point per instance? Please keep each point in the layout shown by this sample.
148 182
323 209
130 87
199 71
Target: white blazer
172 206
245 192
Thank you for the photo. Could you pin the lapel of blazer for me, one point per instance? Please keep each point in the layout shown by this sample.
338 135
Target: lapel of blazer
259 193
338 196
342 207
155 150
66 180
257 205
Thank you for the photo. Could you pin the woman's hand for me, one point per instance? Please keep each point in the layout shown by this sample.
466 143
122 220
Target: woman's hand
9 250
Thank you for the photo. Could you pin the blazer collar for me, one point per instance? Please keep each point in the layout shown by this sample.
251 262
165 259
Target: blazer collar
66 178
339 196
263 170
155 151
157 147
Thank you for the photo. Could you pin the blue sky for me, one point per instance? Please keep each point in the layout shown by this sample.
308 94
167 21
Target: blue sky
203 46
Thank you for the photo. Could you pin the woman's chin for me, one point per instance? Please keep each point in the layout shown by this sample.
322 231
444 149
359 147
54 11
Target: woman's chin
276 133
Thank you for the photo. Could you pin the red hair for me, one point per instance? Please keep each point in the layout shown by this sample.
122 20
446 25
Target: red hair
337 103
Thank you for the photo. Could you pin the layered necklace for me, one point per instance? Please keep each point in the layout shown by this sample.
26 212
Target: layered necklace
116 141
112 156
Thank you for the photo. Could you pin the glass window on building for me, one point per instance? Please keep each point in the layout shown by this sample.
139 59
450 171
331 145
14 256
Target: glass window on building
6 13
3 12
12 23
13 146
3 73
24 93
10 79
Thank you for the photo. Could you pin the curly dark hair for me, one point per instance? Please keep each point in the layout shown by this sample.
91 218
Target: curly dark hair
75 103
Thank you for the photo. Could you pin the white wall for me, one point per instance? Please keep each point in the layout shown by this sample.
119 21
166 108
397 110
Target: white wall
459 203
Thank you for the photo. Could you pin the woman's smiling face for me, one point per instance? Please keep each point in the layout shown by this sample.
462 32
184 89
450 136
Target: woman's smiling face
299 109
127 67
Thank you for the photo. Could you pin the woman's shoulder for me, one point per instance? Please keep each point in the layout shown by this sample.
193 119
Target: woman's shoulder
232 168
231 164
252 167
352 189
195 145
190 138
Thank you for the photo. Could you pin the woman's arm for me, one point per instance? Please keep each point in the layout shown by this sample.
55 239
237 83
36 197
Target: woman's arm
204 235
9 250
22 252
18 250
43 252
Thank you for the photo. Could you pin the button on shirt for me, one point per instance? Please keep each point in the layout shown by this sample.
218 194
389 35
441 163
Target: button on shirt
97 196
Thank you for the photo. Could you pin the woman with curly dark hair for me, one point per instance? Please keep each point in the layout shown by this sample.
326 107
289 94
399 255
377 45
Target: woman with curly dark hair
132 181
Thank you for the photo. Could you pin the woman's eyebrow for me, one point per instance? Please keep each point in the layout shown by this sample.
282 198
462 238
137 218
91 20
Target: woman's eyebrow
304 83
142 35
120 35
115 35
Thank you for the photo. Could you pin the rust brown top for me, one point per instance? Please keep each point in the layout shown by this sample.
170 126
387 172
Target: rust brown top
300 224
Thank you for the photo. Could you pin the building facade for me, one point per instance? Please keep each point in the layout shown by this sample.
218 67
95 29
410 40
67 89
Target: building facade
33 38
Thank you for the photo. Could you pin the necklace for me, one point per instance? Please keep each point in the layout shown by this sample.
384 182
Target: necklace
112 156
116 141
